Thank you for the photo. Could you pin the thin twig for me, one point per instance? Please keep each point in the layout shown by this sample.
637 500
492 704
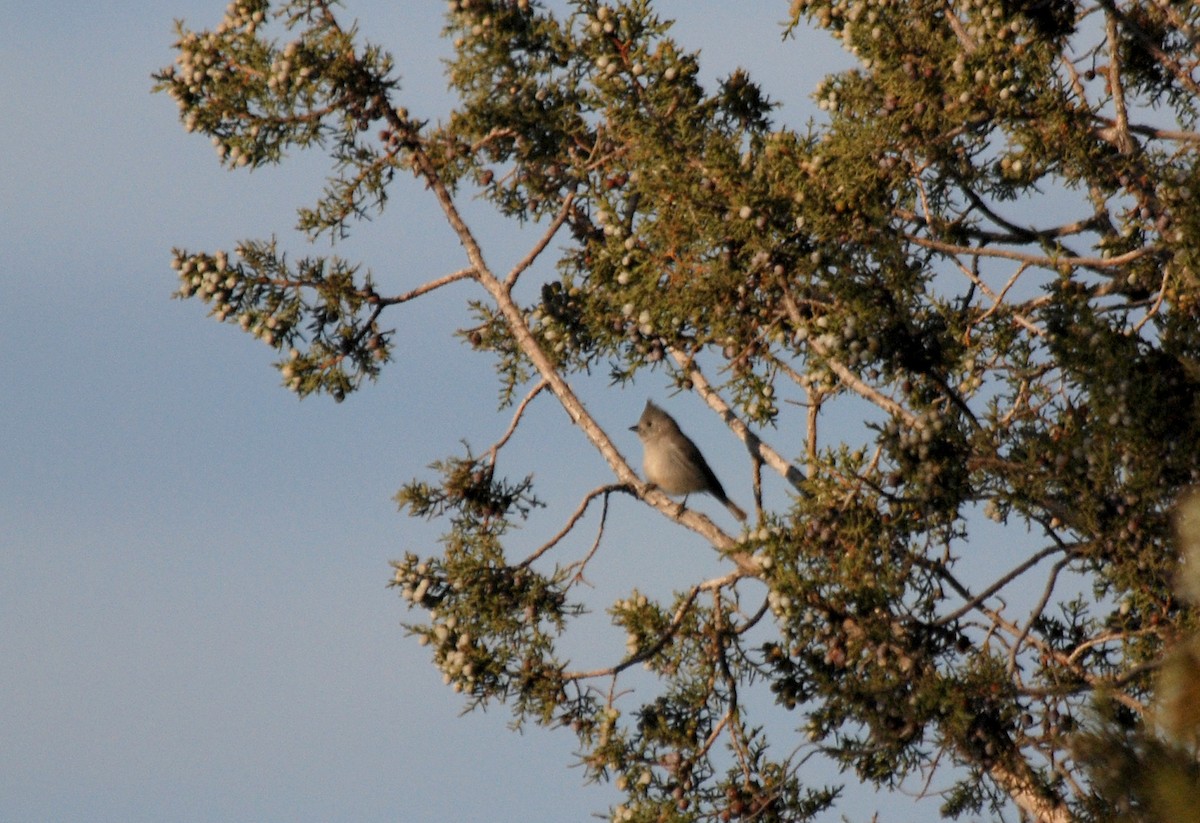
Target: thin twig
997 300
1047 593
542 242
973 602
512 427
968 43
676 621
1153 310
573 519
580 565
848 378
753 619
1012 281
425 288
715 402
647 653
1097 263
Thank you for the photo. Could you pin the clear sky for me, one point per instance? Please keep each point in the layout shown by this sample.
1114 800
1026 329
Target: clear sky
194 623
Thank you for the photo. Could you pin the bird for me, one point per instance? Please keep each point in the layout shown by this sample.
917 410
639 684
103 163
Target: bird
673 463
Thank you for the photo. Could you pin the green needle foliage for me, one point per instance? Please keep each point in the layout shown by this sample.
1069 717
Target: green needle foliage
987 255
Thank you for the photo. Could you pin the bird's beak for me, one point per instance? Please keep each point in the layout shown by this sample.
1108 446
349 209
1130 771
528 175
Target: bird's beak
633 428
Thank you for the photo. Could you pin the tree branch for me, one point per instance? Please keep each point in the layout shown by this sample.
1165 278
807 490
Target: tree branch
1095 263
757 448
580 510
977 600
672 628
517 415
426 288
529 345
540 246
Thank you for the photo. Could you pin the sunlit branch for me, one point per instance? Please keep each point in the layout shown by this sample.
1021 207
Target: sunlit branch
645 654
1148 43
849 378
1053 263
426 288
516 419
998 300
1108 637
1115 84
529 345
960 31
543 241
812 418
715 733
999 623
580 510
1158 301
715 402
677 619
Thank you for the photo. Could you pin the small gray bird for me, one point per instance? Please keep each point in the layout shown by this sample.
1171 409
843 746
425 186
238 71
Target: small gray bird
672 462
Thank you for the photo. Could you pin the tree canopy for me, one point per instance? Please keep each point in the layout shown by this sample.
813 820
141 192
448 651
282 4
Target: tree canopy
985 256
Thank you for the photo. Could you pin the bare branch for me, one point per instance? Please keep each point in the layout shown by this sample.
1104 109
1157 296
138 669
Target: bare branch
1158 301
861 388
998 299
815 398
968 43
671 630
1034 615
1028 793
1147 42
755 445
1123 141
849 378
426 288
976 600
1096 263
540 246
580 565
580 510
512 427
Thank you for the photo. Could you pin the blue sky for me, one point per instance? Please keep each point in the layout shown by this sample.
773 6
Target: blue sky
194 623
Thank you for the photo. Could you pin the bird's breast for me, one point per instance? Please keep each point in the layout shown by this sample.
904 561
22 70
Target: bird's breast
669 467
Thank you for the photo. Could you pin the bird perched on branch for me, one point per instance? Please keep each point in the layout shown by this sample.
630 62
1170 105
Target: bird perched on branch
672 462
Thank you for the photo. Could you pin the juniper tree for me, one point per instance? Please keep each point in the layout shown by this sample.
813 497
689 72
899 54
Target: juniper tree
986 254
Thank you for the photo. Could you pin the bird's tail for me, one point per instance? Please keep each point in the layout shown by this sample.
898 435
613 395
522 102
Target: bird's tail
734 509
